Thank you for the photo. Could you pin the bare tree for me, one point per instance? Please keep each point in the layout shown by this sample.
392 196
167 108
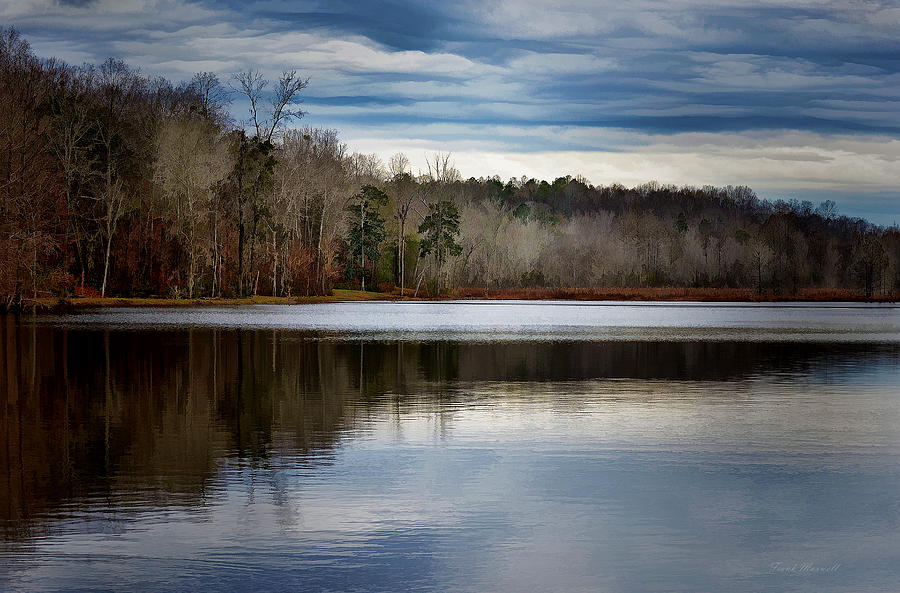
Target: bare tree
310 192
762 256
71 139
118 86
869 260
115 205
255 160
327 155
441 169
267 118
191 160
212 95
26 169
404 188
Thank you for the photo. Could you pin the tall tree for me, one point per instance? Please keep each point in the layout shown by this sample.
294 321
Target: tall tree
255 162
404 188
212 96
440 229
191 161
119 87
267 118
366 231
28 177
869 261
253 175
72 140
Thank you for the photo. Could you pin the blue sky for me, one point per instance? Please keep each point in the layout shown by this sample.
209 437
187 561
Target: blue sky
796 99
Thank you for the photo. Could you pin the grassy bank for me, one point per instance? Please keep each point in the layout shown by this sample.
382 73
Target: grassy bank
54 304
732 295
336 296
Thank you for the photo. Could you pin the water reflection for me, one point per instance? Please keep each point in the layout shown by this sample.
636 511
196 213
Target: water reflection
267 457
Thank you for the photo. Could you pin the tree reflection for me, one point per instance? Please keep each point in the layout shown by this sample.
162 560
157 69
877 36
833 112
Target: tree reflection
120 416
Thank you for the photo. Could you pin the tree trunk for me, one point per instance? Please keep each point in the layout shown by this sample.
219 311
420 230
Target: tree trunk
216 279
106 264
34 268
758 274
415 272
401 252
362 232
419 282
192 267
241 283
274 266
320 273
253 231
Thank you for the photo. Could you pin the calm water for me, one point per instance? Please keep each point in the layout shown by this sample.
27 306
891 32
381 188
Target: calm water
452 447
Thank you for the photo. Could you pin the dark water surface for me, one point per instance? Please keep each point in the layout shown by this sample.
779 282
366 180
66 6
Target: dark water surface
452 447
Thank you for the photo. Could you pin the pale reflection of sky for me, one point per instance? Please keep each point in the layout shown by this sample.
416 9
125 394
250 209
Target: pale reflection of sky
749 415
632 469
545 320
621 485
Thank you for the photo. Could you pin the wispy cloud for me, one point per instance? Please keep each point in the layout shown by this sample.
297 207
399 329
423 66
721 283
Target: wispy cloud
628 86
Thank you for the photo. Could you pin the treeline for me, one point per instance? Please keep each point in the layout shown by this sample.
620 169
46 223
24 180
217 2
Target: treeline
114 183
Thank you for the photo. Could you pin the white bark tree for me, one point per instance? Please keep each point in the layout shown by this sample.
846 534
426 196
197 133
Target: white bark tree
191 159
405 193
118 84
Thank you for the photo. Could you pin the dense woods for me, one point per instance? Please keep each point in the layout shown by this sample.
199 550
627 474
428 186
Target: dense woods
113 183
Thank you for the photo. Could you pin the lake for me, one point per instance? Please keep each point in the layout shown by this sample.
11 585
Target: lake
470 446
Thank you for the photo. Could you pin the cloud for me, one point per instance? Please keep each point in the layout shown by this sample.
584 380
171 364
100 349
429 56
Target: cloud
683 91
678 67
790 160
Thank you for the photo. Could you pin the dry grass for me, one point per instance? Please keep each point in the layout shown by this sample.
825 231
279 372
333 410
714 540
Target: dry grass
85 302
565 294
664 294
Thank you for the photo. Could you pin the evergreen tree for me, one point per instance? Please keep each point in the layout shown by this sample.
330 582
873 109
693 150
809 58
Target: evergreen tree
439 230
366 232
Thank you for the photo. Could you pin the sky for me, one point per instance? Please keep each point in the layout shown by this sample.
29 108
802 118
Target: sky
795 99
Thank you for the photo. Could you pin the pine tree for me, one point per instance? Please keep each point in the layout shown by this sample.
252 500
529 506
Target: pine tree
366 231
440 228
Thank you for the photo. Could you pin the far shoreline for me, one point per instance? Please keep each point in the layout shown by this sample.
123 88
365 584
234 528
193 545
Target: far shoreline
637 295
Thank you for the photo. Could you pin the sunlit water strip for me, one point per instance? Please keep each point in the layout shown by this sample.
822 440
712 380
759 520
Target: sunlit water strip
524 320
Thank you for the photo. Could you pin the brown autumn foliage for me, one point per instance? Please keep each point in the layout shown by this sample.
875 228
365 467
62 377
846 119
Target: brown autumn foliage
130 186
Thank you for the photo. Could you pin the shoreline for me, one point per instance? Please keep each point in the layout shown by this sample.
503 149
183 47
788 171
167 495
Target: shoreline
56 305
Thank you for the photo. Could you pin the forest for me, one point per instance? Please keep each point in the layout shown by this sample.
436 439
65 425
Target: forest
113 183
